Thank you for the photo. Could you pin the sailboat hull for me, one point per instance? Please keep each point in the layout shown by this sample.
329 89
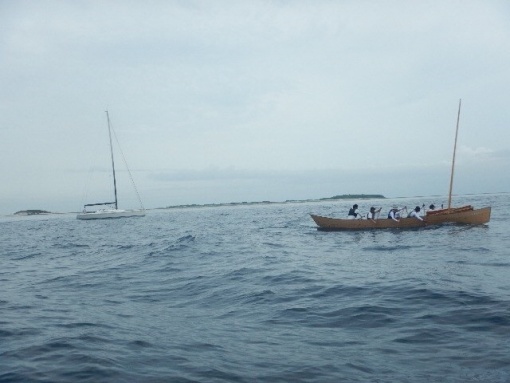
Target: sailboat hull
106 214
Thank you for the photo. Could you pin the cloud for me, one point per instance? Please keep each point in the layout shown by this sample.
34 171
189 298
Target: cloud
256 97
483 154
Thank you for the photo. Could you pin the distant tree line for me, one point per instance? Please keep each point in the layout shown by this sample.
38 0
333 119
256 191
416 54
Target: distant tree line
32 212
355 196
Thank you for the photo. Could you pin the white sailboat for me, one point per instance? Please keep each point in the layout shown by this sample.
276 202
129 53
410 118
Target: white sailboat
111 209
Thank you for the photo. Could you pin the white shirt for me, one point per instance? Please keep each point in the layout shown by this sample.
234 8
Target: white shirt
395 215
415 214
371 215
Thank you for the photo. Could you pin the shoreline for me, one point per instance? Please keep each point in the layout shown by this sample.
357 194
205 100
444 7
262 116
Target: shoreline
342 197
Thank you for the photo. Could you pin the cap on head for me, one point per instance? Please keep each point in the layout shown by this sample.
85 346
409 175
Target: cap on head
355 206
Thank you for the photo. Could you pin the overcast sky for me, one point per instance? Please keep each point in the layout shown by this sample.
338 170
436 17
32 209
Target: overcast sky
222 101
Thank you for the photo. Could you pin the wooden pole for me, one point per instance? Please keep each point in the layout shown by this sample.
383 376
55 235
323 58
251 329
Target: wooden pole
453 160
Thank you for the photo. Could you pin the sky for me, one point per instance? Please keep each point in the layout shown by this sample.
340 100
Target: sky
232 101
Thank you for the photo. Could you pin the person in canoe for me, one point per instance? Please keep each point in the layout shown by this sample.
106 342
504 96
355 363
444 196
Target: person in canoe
415 213
394 213
373 214
354 212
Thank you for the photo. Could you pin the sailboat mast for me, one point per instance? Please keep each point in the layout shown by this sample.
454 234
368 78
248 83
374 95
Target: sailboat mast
453 160
113 162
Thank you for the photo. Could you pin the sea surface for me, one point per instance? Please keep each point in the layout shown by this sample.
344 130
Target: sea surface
255 294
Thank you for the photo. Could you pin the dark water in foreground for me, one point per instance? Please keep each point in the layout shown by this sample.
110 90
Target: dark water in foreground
246 294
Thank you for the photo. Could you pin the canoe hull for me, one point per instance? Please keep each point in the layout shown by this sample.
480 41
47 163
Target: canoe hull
461 216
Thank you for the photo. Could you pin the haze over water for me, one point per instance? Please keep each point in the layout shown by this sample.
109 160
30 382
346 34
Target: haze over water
254 293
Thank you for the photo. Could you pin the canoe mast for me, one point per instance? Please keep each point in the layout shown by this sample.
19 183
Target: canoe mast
453 160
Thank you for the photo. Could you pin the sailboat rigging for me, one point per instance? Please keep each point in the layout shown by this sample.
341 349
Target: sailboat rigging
112 210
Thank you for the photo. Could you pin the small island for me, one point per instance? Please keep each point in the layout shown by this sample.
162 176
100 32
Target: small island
32 212
337 197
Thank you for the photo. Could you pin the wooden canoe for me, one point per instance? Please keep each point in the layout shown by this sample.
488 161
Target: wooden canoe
462 215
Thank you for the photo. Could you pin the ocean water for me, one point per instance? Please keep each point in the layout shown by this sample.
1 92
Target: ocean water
254 294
